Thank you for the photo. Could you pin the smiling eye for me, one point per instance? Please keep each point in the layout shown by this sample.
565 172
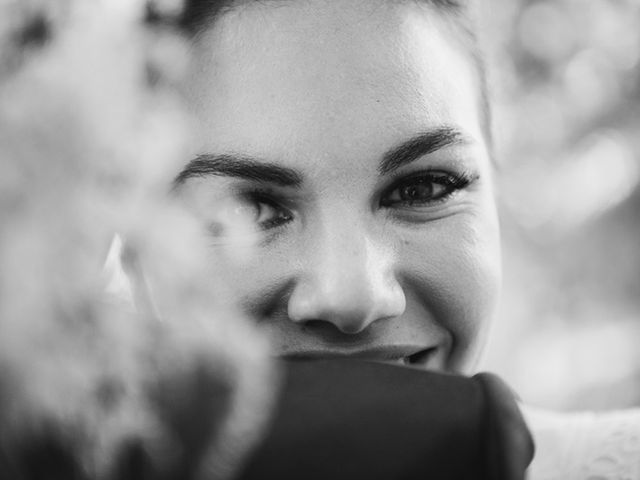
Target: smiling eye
269 215
245 213
423 189
263 212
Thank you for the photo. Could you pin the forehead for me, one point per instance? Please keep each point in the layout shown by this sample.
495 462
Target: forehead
329 77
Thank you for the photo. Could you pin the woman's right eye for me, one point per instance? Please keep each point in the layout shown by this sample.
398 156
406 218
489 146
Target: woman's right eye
245 213
266 213
250 211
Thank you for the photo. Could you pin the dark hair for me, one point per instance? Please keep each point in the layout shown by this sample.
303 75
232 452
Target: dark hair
198 15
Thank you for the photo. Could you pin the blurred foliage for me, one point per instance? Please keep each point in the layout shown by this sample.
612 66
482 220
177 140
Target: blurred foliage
566 86
92 130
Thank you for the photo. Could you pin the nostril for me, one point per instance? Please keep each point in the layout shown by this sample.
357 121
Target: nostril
347 327
352 328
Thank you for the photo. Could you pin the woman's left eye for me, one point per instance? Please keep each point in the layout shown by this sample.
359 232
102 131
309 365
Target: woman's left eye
423 189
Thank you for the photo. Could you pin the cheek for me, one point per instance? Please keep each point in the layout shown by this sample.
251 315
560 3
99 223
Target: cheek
454 271
257 280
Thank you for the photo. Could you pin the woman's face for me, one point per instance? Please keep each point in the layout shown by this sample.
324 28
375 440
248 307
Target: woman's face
348 136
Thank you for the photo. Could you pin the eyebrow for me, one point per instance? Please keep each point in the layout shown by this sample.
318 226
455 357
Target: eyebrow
238 166
420 145
249 168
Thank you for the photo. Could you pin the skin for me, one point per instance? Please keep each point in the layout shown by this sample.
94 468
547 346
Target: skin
327 89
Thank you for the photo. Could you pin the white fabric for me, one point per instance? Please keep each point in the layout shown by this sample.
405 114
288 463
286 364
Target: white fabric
585 445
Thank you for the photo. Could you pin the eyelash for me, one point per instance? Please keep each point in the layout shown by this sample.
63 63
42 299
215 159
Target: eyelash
260 196
450 183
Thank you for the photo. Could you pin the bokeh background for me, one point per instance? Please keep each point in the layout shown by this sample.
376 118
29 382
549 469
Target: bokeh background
566 82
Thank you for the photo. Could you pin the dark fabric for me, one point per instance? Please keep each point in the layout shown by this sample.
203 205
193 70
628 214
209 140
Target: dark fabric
509 445
347 419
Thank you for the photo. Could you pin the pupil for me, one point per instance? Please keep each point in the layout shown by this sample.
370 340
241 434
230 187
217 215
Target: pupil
416 192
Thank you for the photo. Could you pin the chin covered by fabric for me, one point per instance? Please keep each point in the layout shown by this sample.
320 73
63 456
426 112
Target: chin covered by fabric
346 419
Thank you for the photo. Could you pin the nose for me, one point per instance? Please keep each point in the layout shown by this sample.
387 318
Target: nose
347 281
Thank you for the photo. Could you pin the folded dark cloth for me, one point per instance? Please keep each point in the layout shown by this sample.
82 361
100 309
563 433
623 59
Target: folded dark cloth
346 419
